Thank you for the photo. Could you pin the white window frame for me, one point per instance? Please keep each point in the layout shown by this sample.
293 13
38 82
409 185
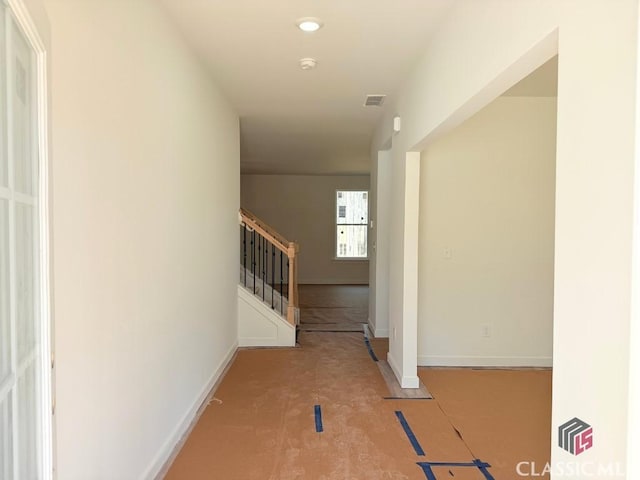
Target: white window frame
335 225
22 18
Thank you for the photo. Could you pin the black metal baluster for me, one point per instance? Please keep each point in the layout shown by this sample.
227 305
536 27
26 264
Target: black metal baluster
258 270
253 259
273 274
264 269
244 253
281 295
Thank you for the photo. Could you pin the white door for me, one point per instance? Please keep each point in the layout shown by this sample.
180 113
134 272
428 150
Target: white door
23 422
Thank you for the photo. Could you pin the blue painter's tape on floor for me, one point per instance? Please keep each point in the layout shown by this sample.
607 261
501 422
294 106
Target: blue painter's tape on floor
407 429
371 352
318 411
483 466
480 465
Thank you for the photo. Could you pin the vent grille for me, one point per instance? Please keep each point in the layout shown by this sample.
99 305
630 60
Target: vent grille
374 100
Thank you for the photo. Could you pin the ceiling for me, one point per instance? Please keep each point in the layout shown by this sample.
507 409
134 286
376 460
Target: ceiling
307 122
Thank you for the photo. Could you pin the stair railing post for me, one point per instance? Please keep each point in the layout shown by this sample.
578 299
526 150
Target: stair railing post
244 252
293 283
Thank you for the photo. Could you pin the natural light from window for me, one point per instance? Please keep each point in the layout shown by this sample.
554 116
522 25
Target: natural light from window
352 218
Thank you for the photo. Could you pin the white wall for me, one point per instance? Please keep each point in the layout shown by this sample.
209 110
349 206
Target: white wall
302 208
487 193
475 56
633 428
379 244
146 193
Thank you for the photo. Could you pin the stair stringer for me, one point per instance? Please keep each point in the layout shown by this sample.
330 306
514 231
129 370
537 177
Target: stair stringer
259 325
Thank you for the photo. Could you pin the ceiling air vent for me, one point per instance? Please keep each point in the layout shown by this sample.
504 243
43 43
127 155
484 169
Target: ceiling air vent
374 100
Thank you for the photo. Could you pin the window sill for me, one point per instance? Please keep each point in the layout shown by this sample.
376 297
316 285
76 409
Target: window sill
350 259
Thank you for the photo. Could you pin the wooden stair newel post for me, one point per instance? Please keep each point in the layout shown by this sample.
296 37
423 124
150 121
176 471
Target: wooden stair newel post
293 282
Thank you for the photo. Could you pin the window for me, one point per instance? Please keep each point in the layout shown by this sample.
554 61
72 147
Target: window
352 218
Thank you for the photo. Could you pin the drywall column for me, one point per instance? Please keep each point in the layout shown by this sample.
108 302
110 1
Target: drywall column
373 244
403 277
410 271
594 212
633 423
379 258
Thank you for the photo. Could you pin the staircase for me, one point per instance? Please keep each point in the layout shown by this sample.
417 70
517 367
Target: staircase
268 313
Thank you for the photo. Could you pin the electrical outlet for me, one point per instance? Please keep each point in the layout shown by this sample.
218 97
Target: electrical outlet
394 333
447 253
486 330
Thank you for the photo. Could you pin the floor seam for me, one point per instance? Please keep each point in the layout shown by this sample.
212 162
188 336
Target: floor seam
458 433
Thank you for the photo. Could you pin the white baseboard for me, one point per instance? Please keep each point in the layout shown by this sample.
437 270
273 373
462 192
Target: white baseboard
406 381
378 332
332 281
371 327
171 447
471 361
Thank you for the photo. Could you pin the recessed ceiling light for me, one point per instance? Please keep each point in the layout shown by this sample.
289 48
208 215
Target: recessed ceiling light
309 24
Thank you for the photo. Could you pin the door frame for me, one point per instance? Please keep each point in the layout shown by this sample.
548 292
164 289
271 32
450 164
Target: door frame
46 359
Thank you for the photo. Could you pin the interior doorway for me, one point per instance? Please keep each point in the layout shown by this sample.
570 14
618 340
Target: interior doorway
487 233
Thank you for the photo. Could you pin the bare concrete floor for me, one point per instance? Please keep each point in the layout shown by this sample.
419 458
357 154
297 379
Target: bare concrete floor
261 424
